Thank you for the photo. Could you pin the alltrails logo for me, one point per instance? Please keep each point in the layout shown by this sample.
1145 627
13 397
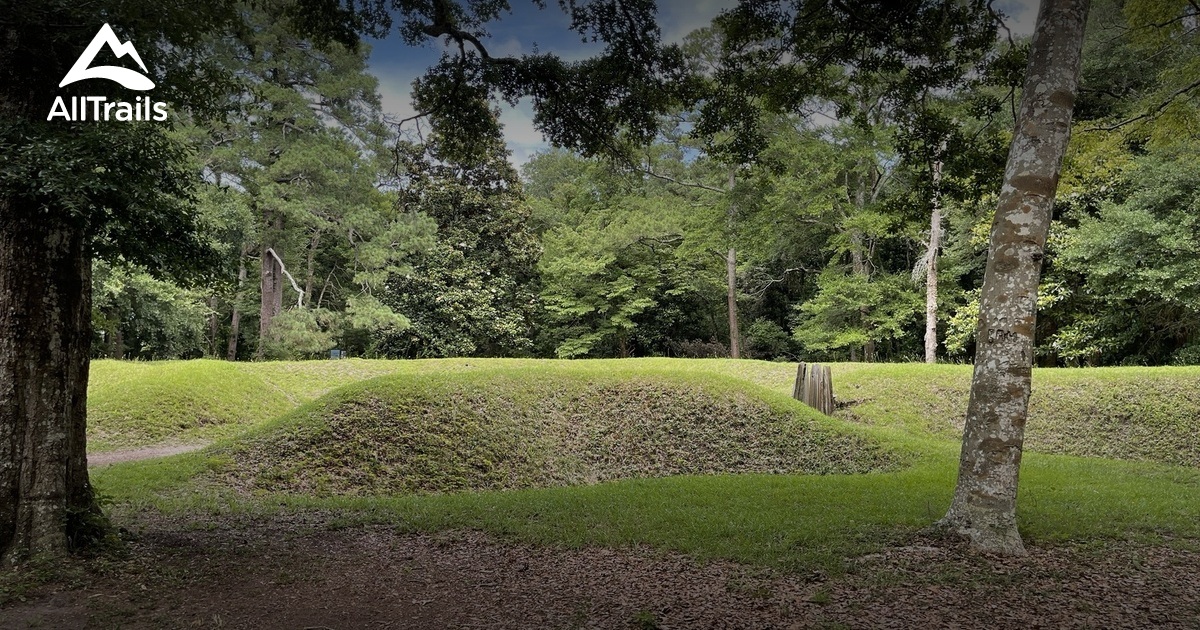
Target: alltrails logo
143 108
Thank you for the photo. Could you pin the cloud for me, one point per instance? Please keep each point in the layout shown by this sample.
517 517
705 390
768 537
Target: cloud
522 138
395 87
677 18
507 47
1021 15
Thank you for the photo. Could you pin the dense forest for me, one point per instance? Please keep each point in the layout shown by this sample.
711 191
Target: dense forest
853 227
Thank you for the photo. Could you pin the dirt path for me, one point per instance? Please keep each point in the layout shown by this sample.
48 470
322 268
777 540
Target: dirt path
300 572
133 454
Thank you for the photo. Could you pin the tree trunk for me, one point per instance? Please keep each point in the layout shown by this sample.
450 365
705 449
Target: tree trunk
735 337
858 264
46 502
735 351
984 505
931 269
271 303
116 345
213 326
235 322
311 262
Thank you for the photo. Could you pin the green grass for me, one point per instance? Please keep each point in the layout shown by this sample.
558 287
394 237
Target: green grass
792 521
798 522
135 404
1134 413
558 425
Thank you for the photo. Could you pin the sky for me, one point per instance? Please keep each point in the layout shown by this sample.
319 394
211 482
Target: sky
396 64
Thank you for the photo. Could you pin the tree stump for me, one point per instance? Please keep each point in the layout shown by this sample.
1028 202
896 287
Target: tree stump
814 387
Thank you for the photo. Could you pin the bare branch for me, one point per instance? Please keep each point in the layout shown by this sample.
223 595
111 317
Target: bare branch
300 297
763 289
667 178
1000 21
1152 112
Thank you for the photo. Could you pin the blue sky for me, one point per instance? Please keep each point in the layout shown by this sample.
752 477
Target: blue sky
396 64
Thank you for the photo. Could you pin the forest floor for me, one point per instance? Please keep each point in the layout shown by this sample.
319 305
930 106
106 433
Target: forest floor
306 571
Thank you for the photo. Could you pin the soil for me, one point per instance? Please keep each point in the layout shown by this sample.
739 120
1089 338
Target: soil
105 458
304 571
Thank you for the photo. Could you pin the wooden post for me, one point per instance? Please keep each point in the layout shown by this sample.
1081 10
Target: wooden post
814 387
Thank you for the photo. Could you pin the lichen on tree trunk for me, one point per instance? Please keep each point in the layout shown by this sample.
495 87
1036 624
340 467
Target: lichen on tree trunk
984 504
931 267
46 501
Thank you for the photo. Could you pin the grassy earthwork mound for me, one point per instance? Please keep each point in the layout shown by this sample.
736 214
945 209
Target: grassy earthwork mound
1134 413
538 427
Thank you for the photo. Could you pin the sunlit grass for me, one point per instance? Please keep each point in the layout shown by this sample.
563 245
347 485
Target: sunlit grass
797 522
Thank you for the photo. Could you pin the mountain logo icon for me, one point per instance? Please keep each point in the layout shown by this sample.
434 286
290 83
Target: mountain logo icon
126 77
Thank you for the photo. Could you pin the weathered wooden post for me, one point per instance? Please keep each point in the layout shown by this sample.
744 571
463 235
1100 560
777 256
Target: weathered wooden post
814 387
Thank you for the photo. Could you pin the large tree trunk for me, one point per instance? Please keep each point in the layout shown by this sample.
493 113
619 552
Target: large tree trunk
46 501
735 350
984 505
931 268
271 303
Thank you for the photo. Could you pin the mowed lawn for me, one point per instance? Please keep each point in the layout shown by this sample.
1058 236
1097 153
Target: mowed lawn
1113 452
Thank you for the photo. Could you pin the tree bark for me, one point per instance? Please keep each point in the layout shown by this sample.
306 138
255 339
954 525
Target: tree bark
46 501
271 283
984 504
309 280
735 337
235 321
931 268
858 264
213 326
735 351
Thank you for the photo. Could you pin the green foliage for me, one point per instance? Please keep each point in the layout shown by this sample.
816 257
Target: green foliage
784 58
627 265
1136 256
595 290
298 333
1141 63
137 316
472 292
129 187
849 311
766 339
302 153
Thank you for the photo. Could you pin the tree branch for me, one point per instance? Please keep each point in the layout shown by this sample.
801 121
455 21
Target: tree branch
1152 112
300 297
781 278
667 178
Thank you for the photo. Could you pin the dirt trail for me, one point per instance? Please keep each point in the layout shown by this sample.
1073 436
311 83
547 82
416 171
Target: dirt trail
134 454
